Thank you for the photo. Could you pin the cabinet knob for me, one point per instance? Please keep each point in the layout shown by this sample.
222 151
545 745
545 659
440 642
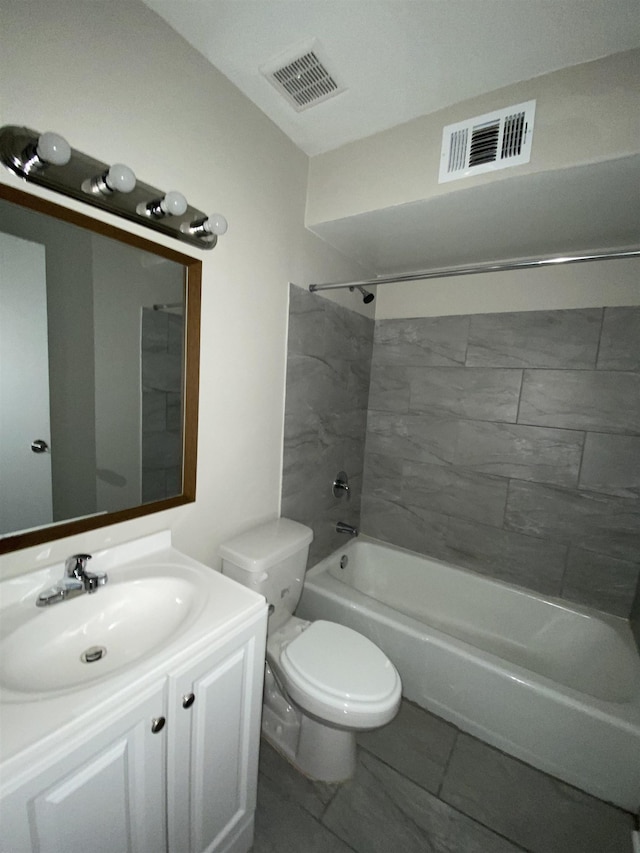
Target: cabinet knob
157 724
188 699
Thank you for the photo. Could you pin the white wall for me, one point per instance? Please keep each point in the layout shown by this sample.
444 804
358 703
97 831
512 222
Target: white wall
122 86
584 114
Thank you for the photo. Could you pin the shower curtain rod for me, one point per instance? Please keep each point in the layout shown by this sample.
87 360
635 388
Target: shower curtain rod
446 272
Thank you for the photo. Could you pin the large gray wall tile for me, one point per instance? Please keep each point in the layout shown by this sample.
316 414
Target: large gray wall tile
563 339
154 484
508 556
161 449
422 341
454 492
529 807
154 411
611 464
315 383
634 618
348 334
608 525
422 438
161 349
619 348
358 385
468 392
162 371
409 527
523 452
175 334
600 581
604 401
389 390
306 324
154 330
174 411
308 487
383 476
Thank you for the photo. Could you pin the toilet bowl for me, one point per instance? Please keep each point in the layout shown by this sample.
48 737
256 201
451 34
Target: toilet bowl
340 677
323 681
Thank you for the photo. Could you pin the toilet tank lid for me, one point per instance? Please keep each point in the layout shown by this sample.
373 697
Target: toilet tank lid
261 547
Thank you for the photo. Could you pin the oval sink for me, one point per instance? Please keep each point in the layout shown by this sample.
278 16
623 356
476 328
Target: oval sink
91 637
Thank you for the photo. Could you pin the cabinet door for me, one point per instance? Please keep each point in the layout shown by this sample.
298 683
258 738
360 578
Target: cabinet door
213 743
104 796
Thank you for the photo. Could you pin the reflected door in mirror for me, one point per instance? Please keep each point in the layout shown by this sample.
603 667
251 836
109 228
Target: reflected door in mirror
25 475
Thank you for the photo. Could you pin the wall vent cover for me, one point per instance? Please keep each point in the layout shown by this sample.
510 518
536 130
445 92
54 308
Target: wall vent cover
302 76
487 143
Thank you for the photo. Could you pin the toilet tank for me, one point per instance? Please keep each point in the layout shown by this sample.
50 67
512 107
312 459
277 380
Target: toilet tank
270 559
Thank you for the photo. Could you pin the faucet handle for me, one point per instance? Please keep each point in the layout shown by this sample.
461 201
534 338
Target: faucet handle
341 485
92 582
76 565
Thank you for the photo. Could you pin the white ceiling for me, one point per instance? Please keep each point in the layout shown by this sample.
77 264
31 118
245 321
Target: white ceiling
398 59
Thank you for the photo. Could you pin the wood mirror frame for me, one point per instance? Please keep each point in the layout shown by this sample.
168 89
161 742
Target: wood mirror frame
191 358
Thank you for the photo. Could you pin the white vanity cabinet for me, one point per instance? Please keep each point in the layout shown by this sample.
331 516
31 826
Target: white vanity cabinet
105 795
213 741
174 771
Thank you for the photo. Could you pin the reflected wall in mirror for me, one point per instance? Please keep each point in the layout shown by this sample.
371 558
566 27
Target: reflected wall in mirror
99 352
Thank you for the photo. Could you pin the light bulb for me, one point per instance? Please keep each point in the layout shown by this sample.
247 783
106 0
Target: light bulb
53 148
217 224
213 225
173 204
120 178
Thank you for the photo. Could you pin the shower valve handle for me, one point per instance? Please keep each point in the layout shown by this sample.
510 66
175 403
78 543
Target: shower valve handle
341 485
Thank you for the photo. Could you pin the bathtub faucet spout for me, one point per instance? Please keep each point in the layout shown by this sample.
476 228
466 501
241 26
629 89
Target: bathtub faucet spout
342 527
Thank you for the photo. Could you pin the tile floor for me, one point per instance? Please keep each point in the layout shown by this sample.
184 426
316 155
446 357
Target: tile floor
423 786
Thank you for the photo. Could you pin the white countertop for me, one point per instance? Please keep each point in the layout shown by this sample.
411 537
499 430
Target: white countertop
32 723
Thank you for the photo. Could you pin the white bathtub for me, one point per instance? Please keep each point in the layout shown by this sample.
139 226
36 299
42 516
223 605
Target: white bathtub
556 686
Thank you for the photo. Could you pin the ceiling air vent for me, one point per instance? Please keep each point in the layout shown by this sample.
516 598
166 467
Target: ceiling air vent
487 143
301 75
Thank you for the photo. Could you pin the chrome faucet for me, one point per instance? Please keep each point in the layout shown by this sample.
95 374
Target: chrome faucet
342 527
76 581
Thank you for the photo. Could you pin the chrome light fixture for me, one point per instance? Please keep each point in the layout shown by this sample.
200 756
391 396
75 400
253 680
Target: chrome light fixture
47 159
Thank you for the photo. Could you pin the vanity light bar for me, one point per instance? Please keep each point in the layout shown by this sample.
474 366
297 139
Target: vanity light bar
48 160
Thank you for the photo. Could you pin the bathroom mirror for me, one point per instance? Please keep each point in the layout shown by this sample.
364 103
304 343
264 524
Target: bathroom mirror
99 356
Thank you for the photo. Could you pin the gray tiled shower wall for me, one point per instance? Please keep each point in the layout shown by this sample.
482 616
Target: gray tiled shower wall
510 444
505 443
328 367
161 404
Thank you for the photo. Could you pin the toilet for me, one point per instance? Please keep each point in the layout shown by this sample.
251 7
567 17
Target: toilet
323 681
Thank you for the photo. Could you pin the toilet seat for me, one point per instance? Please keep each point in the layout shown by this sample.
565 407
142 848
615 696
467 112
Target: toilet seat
340 676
